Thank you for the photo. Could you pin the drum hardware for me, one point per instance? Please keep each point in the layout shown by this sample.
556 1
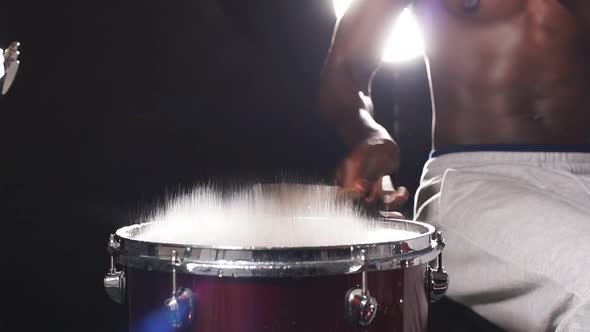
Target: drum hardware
437 280
360 308
188 252
276 270
114 281
181 305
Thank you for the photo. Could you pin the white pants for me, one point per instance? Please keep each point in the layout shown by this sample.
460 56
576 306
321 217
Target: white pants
517 228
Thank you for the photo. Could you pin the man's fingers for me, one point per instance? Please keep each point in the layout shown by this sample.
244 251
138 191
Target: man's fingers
395 200
399 197
384 192
363 170
401 194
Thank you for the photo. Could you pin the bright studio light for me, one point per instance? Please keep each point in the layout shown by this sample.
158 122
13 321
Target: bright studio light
405 41
340 7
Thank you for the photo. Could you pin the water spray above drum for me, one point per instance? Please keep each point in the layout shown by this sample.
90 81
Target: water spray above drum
280 257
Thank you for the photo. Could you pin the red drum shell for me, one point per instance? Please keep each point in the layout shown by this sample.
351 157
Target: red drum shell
226 304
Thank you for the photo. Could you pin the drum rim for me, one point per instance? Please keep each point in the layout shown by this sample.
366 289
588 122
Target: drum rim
341 259
121 233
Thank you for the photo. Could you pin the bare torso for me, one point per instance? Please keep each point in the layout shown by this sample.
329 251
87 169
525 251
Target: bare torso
502 72
509 71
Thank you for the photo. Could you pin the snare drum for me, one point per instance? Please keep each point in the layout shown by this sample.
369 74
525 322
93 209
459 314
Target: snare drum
384 285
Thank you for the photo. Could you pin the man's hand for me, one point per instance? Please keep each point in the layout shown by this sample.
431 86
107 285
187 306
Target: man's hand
392 199
365 173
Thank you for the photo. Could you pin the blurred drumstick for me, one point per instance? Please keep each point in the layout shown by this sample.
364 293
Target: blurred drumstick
383 206
386 188
389 197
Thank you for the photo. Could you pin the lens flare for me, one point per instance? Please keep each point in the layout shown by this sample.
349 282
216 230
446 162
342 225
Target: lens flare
405 40
340 7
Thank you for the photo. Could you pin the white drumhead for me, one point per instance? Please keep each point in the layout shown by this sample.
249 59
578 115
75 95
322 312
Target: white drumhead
268 216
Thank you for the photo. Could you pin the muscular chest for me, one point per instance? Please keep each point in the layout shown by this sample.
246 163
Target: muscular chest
483 10
504 25
503 47
493 11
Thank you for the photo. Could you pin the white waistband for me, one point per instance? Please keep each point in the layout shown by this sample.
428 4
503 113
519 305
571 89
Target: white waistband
574 162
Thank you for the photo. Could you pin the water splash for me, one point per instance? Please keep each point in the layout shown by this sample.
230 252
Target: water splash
273 215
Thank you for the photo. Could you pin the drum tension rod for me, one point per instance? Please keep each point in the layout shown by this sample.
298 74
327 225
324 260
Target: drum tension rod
181 305
438 280
114 281
360 307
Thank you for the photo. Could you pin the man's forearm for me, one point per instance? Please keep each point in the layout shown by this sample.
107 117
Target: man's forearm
357 127
347 106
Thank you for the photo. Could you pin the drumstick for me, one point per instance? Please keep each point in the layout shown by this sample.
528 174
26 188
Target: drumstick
386 188
378 209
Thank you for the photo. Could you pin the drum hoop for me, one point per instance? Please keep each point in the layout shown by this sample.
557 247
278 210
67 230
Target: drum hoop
280 262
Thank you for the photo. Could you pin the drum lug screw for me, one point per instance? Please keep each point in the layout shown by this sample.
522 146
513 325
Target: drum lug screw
437 280
114 281
181 305
360 308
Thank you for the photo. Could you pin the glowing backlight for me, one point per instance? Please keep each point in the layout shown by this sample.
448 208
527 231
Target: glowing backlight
405 41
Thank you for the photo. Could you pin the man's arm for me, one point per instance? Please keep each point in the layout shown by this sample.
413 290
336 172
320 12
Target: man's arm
355 54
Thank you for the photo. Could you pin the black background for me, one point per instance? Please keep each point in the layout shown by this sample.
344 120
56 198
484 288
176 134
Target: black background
117 102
